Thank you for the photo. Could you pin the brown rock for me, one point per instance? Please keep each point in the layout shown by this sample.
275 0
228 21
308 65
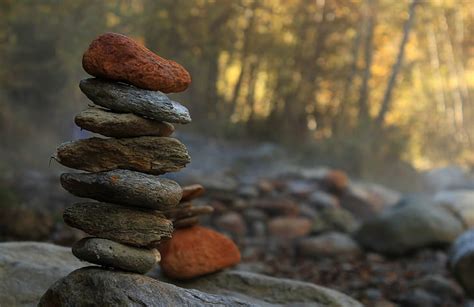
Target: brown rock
197 251
137 227
117 57
147 154
336 181
289 227
186 222
120 125
277 206
191 192
185 210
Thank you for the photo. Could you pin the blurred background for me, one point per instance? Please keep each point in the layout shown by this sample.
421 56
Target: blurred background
284 92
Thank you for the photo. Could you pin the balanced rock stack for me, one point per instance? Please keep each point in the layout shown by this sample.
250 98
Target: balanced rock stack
135 209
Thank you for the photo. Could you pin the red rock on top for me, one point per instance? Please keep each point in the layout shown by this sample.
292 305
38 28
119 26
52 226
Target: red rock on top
117 57
197 251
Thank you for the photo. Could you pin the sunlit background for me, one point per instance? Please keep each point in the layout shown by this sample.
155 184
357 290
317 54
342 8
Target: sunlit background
316 75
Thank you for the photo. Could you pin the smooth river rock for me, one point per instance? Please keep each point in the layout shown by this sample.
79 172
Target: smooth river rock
27 269
197 251
461 261
117 57
147 154
112 254
412 224
124 187
138 227
120 125
126 98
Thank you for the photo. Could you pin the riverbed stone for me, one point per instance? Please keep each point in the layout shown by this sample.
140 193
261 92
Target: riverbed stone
133 226
124 187
117 57
126 98
120 125
112 254
147 154
196 251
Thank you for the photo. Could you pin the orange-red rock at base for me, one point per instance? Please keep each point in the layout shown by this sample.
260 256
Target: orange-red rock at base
196 251
117 57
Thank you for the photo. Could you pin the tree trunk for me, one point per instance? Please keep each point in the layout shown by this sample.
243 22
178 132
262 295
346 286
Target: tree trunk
368 56
387 99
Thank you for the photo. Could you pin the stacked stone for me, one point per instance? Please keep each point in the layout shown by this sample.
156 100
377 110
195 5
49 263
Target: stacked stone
135 209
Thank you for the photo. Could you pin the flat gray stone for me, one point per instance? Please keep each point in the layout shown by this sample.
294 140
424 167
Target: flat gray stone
146 154
125 187
126 98
112 254
133 226
120 125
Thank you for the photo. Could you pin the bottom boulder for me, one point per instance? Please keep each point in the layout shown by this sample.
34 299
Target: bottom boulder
94 286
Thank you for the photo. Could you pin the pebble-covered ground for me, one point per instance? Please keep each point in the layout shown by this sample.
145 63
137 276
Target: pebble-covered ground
300 225
417 280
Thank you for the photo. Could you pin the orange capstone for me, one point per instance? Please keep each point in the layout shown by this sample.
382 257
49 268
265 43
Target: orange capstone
197 251
117 57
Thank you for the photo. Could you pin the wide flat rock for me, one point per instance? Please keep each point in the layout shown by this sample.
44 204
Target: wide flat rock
147 154
126 98
120 125
125 187
137 227
28 269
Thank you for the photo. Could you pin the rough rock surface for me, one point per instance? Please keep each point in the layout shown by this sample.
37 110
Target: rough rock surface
27 269
147 154
112 254
138 227
126 98
33 267
120 125
410 225
270 290
197 251
461 261
94 286
124 187
117 57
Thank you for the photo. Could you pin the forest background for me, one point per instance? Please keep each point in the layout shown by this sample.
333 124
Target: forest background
374 87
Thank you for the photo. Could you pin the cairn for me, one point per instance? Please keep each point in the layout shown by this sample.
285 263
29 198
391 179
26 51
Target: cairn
135 210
